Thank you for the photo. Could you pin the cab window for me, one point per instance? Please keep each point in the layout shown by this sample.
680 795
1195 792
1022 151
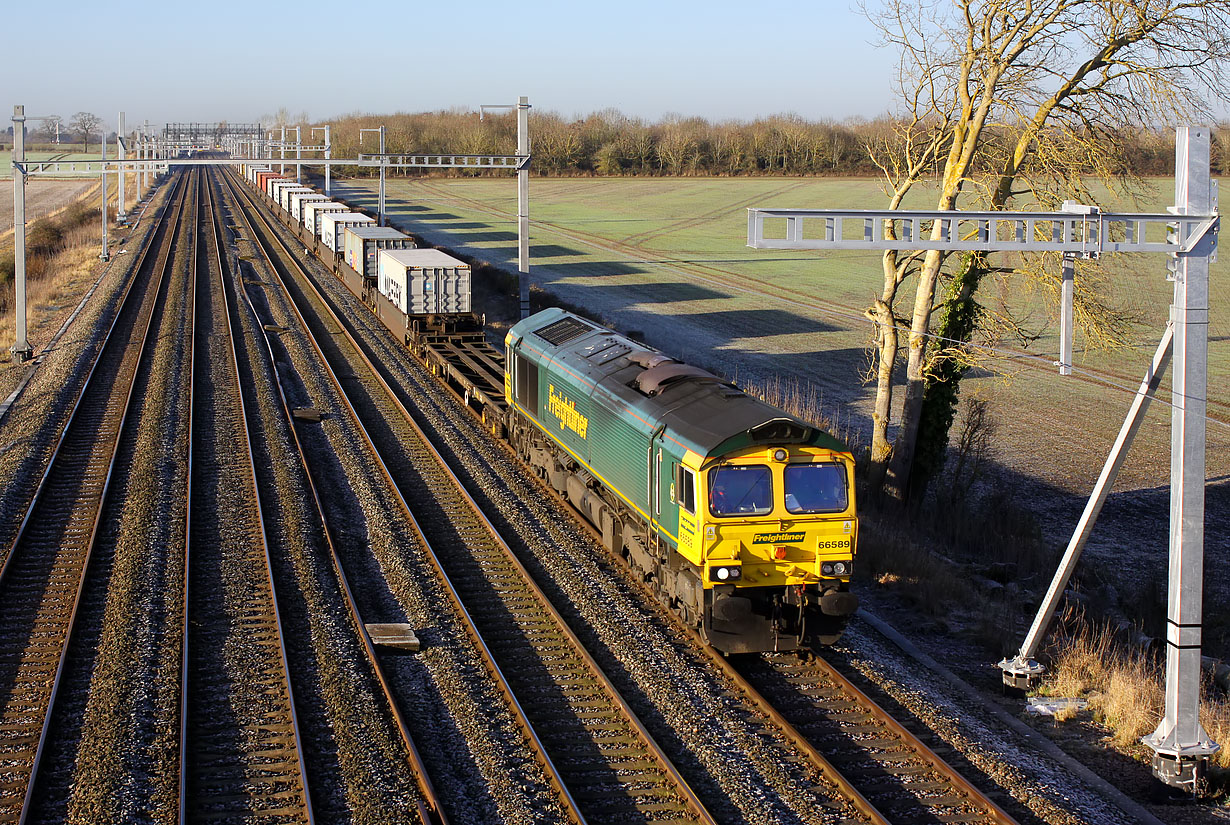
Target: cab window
816 488
740 491
686 486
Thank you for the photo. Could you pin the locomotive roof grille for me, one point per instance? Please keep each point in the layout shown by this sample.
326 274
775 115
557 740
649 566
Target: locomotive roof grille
564 330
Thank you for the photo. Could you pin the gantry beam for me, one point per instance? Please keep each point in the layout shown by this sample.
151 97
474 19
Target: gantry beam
1065 232
512 163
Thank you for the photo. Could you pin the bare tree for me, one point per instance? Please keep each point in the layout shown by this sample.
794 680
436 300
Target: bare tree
85 123
1014 102
52 125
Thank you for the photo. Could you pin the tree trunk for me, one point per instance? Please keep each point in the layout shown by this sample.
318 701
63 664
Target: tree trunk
887 347
886 358
896 485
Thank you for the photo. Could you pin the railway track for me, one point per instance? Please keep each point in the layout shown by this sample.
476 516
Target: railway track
896 771
46 567
850 738
462 543
240 751
845 734
607 766
421 804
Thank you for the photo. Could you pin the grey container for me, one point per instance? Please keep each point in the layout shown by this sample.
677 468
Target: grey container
279 185
363 243
424 281
333 227
286 191
313 210
298 199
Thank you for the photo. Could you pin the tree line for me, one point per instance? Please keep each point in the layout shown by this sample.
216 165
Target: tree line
55 129
609 143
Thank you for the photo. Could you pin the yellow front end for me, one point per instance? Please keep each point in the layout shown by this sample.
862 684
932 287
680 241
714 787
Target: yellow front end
792 533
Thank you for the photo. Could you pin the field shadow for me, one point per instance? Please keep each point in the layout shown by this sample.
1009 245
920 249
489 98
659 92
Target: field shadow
760 323
553 272
428 214
669 292
464 236
404 205
552 250
651 293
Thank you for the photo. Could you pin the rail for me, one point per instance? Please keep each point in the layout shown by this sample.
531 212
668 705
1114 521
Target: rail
46 566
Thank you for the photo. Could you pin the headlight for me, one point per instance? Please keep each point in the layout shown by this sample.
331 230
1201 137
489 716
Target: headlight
836 568
723 574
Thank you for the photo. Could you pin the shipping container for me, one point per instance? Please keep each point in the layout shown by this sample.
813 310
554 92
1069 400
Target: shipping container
276 185
285 192
333 226
263 178
362 243
314 209
273 183
424 281
298 199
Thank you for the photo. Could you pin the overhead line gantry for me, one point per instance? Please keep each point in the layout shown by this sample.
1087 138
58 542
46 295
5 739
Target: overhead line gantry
1188 234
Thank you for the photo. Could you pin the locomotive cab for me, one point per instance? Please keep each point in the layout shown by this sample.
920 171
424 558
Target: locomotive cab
772 530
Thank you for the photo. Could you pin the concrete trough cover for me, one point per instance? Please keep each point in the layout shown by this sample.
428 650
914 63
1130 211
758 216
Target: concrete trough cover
400 636
276 328
1053 706
306 413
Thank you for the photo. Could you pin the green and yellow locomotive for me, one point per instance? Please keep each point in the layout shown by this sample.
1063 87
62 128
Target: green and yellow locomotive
737 515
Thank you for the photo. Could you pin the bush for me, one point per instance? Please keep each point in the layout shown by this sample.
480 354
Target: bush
79 212
44 238
8 268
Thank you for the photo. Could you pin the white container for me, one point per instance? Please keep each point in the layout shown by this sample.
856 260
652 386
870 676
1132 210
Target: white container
298 199
362 243
424 281
276 184
333 224
286 191
312 210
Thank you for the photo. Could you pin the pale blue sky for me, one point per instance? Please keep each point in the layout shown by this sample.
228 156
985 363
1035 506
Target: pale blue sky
229 60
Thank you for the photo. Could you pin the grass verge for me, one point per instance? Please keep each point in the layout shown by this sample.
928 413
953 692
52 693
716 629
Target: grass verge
1125 689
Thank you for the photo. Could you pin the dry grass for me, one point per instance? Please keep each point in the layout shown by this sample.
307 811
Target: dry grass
59 282
805 401
891 559
1125 689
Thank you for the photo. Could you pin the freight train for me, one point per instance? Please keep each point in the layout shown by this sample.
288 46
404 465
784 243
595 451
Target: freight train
737 516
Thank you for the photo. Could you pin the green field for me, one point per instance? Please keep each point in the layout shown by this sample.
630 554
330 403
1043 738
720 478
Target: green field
6 159
668 256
